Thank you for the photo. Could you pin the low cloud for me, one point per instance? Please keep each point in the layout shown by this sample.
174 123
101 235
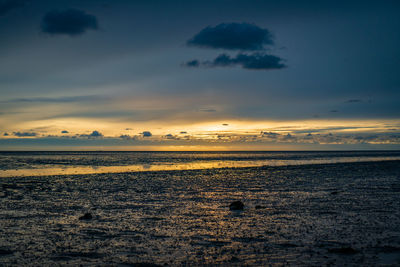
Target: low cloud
127 137
94 134
170 136
9 5
256 61
24 134
70 22
146 134
192 63
232 36
271 135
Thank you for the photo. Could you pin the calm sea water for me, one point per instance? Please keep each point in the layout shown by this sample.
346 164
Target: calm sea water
301 208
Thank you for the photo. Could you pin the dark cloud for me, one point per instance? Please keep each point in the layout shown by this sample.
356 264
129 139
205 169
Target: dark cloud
256 61
64 132
146 134
225 124
7 6
192 63
183 132
253 61
236 36
70 22
232 36
5 134
93 134
169 136
24 134
96 134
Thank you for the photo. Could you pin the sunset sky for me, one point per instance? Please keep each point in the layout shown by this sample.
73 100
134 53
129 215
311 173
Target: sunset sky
199 75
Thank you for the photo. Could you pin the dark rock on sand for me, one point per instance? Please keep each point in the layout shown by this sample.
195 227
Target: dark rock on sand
344 250
4 252
236 205
87 216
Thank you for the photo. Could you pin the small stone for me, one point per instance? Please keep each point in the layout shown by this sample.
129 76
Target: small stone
234 259
236 205
5 252
87 216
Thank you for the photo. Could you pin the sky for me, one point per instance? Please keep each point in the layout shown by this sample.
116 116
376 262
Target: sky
199 75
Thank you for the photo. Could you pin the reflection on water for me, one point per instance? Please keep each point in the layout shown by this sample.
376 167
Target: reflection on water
44 170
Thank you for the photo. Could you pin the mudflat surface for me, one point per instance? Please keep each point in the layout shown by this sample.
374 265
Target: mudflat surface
340 214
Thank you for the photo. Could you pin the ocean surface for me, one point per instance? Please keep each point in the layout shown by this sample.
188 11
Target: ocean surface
172 208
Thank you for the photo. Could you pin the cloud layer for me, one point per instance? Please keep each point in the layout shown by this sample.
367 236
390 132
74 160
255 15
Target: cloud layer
232 36
70 22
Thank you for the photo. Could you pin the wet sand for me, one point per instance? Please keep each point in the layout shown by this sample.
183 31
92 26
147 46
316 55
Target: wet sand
310 215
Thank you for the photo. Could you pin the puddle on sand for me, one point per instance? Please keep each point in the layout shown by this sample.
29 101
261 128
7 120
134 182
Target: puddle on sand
73 170
389 258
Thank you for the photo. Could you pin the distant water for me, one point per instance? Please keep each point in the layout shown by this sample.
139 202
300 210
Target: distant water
67 163
342 211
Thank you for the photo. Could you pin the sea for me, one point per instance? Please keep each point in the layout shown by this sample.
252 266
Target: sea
301 208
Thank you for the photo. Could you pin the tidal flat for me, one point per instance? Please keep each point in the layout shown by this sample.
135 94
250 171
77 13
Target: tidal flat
301 215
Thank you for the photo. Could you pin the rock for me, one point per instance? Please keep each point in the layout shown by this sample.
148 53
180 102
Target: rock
4 252
258 207
236 205
87 216
234 259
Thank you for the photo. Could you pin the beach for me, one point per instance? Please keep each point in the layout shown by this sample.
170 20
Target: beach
303 215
